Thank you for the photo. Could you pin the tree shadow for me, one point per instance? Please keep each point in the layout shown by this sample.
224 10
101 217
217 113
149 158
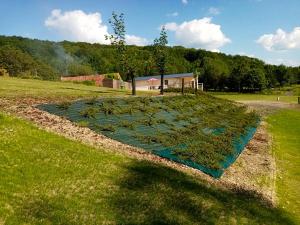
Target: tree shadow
92 91
154 194
42 210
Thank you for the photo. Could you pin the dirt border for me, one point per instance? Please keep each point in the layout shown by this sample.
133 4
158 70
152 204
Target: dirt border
247 174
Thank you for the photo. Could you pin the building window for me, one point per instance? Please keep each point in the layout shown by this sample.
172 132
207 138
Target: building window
166 82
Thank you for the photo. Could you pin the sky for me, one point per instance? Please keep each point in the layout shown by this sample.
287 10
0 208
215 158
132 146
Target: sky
265 29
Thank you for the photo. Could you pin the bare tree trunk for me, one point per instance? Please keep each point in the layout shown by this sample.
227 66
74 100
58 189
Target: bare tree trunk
182 86
196 84
162 84
133 85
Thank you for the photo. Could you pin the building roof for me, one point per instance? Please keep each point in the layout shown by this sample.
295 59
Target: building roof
179 75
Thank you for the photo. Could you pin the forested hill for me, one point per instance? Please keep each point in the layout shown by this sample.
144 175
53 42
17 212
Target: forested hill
49 60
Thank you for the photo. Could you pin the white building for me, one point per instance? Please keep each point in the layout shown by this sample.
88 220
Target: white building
170 80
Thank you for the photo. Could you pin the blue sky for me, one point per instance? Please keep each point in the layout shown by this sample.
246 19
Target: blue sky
266 29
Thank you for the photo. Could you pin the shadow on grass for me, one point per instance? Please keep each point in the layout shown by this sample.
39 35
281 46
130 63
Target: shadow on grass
95 91
153 194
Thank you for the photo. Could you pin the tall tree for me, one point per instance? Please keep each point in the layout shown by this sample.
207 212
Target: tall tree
127 58
161 56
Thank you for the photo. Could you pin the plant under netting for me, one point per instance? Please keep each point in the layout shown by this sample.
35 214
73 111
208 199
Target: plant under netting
201 131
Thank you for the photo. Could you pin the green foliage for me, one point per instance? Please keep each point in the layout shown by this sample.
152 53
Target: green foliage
48 60
21 64
83 123
114 76
3 72
89 112
75 69
109 127
160 55
64 105
187 90
88 82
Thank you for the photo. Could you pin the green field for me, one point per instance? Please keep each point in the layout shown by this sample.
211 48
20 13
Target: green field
257 97
51 90
285 127
47 179
285 94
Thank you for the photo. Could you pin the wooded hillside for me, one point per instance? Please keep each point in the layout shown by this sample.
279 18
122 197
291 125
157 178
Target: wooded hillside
49 60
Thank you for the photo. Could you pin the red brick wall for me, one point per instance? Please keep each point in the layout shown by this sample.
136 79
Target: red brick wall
100 80
97 78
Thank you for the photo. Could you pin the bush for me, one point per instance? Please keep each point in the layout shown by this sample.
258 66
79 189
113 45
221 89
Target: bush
114 76
89 112
3 72
89 82
187 90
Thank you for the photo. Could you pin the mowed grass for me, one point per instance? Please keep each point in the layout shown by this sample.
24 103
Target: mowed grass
47 179
258 97
54 90
285 127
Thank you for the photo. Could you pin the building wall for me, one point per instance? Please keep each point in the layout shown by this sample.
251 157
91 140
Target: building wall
172 82
100 81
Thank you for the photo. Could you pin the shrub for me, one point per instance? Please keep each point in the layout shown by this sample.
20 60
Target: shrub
88 82
128 124
89 112
3 72
83 123
91 101
64 105
108 127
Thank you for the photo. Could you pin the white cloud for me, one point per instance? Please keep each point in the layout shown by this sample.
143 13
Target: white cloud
185 2
174 14
213 11
135 40
78 26
199 33
281 40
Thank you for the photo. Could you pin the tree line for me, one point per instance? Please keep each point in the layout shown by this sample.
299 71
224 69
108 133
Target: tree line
32 58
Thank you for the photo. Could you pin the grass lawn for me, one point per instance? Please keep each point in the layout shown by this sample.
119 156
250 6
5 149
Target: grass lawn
53 90
260 97
47 179
285 127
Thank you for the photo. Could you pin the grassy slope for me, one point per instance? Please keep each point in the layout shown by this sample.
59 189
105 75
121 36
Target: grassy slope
47 179
16 88
285 127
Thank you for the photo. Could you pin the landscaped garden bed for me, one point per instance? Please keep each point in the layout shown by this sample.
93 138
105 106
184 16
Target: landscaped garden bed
200 131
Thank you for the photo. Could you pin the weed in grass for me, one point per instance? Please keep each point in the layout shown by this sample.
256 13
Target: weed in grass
109 127
83 123
64 105
91 101
89 112
106 109
128 124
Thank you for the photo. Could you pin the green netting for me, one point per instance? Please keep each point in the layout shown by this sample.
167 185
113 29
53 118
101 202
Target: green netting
118 125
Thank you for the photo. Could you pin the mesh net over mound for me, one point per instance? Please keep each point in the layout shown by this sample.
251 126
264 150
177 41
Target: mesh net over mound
202 132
